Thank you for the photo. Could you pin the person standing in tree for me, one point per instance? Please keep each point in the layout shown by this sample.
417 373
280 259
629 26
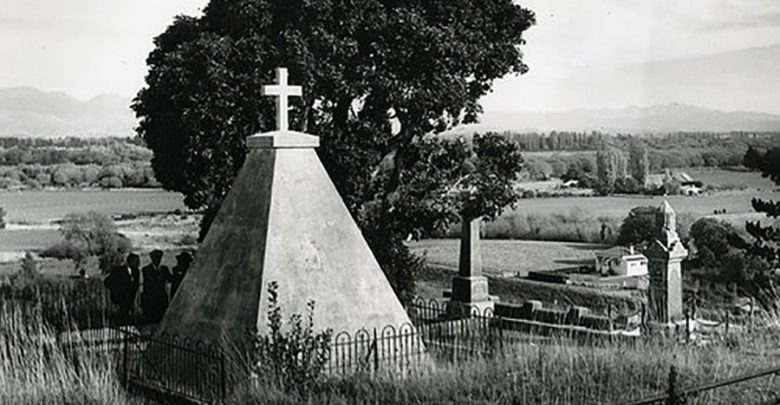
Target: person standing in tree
154 298
122 284
183 261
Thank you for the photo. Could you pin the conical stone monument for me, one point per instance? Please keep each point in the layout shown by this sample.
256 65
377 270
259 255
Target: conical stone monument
282 221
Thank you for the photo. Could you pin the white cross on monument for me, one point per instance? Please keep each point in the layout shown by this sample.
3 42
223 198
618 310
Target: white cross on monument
282 91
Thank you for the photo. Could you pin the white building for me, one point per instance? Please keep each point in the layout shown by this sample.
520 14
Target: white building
620 261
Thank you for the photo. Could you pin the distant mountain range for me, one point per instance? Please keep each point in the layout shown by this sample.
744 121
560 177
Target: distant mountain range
652 119
29 112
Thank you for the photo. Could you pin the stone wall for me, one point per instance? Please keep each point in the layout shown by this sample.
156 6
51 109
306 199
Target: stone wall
533 311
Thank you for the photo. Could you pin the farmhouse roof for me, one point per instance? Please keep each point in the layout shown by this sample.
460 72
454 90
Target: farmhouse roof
620 252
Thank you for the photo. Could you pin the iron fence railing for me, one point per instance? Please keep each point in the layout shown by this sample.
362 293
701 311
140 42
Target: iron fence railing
173 367
391 348
676 395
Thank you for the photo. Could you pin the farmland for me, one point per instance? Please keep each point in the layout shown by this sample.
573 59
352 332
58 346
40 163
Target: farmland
618 206
506 257
31 217
39 207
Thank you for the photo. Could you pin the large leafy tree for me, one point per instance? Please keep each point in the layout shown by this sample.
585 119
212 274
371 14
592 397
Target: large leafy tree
767 237
379 77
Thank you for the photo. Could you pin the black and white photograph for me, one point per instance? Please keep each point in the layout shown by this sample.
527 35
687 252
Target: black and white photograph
403 202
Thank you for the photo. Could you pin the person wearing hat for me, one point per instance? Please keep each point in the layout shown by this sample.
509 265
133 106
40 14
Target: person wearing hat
183 261
122 284
154 298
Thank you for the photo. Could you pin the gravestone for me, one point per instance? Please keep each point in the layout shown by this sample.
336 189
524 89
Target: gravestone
470 286
282 221
665 255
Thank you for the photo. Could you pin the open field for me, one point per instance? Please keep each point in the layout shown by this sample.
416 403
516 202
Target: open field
46 206
729 178
13 243
146 232
618 206
510 257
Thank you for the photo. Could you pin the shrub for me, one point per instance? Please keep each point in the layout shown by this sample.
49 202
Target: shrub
28 274
293 359
111 182
59 250
90 234
575 225
188 240
113 251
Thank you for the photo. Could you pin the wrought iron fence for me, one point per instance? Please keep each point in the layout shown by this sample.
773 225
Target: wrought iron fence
390 349
676 395
172 367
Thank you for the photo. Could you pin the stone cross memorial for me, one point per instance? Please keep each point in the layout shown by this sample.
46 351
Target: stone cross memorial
282 91
282 221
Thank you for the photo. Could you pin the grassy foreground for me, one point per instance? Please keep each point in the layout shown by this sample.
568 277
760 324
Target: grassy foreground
35 370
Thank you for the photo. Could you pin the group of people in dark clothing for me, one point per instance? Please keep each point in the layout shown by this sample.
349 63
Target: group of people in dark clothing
157 283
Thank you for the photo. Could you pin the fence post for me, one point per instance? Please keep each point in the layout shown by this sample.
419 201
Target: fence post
222 377
673 395
609 315
376 352
751 314
501 334
125 356
728 318
687 325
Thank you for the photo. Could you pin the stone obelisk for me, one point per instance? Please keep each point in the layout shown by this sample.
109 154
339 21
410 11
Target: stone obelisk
470 286
665 255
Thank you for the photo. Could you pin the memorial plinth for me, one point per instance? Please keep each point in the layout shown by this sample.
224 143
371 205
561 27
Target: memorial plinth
470 286
665 256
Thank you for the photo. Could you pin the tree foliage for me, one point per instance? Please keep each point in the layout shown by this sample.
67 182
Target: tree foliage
639 163
639 227
713 241
93 234
611 166
379 76
767 237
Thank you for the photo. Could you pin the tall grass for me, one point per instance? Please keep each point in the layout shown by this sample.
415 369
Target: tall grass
36 369
554 374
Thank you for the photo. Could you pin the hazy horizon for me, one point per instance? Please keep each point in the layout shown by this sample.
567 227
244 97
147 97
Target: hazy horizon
717 54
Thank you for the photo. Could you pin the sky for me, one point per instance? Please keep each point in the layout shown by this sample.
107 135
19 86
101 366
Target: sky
722 54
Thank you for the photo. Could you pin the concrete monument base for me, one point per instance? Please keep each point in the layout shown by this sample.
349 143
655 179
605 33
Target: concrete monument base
470 288
463 309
